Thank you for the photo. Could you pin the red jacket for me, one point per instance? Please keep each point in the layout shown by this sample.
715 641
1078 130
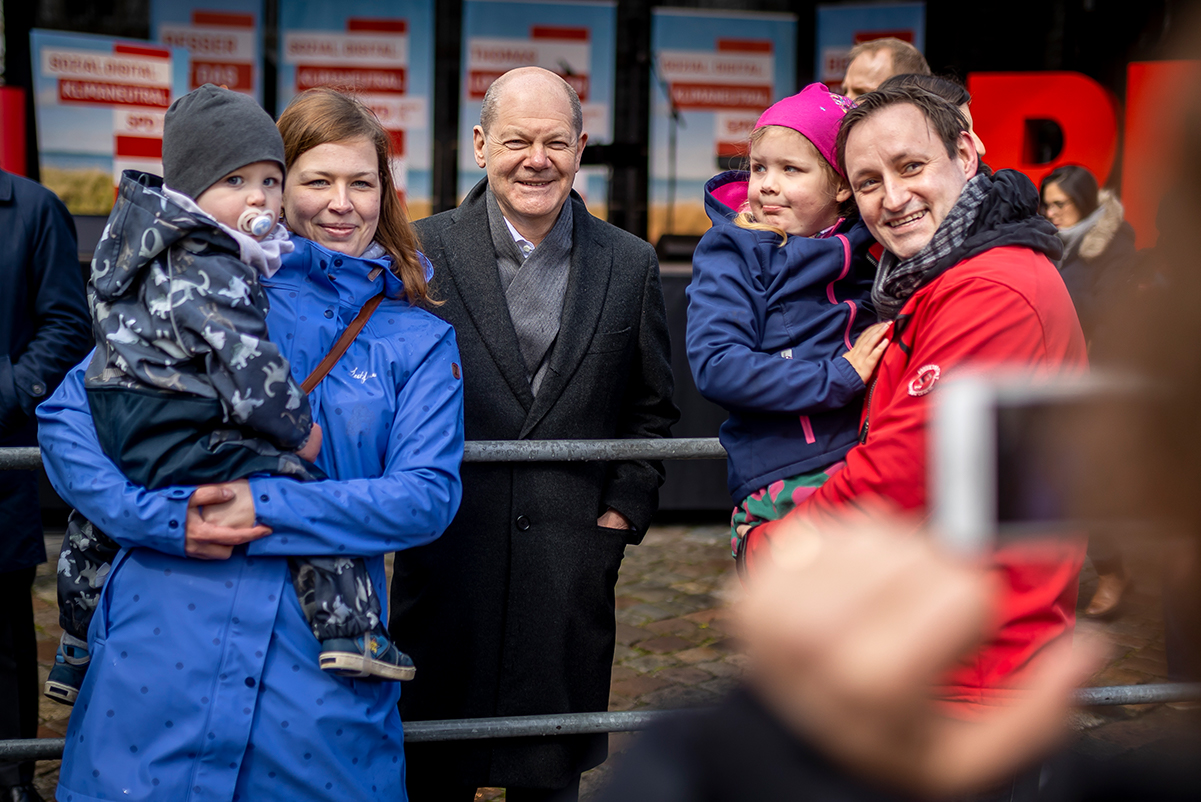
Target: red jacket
1007 306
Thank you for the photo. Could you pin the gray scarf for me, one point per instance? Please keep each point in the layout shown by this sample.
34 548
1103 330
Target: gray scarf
535 286
1072 236
897 280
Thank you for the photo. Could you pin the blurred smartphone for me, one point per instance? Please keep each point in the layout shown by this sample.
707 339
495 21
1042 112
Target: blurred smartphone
1014 457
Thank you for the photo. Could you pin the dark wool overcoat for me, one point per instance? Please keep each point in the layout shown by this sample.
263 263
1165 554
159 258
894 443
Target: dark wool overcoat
510 612
44 331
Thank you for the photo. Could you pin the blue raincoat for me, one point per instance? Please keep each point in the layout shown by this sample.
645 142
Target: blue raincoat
204 682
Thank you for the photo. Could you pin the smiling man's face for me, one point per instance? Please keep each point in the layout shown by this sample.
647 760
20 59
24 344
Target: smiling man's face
531 152
904 181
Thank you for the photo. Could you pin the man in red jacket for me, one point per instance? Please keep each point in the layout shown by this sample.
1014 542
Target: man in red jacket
968 282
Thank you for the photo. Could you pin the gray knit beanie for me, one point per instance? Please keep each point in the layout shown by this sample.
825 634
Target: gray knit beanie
210 132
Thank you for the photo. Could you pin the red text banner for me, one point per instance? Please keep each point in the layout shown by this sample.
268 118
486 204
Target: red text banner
362 79
71 91
565 51
734 131
138 147
478 82
12 129
720 96
238 77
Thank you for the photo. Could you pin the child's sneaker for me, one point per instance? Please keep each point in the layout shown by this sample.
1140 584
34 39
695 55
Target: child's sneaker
371 656
70 666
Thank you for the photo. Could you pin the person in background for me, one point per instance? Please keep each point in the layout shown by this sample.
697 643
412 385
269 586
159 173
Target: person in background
781 288
1098 243
561 321
1098 259
44 331
873 62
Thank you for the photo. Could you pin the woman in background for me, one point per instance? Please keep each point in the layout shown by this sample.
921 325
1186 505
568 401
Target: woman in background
1098 255
1098 243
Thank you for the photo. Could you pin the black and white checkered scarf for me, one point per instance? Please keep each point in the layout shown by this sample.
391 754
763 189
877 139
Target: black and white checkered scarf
897 279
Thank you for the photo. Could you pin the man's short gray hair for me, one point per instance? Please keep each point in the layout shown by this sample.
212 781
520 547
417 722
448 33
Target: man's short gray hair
905 57
488 108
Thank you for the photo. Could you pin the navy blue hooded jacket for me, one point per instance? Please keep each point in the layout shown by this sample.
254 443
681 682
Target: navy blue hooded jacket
767 327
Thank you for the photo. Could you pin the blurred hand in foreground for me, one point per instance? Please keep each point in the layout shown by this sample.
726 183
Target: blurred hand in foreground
849 632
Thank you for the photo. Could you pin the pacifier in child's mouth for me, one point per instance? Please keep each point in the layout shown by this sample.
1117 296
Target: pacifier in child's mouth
256 222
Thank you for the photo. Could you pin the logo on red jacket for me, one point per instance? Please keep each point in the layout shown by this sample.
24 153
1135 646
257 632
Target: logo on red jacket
924 382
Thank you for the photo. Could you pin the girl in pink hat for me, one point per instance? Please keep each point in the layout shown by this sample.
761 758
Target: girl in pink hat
779 313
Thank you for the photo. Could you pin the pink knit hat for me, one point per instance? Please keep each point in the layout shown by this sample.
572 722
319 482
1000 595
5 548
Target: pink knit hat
815 112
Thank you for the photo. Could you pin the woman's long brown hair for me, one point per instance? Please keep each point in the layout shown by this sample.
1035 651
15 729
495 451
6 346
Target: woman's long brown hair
323 115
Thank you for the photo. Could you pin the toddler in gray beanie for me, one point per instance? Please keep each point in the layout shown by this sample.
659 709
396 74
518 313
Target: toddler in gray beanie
221 150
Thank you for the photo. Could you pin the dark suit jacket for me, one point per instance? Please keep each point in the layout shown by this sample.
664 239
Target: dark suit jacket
510 612
45 330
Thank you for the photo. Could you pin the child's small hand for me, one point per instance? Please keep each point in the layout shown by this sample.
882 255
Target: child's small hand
868 350
313 447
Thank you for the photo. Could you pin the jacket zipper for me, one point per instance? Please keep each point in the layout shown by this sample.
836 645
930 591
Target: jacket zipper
898 329
807 428
867 419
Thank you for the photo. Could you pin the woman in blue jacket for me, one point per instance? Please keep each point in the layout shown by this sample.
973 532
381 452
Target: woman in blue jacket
204 680
779 299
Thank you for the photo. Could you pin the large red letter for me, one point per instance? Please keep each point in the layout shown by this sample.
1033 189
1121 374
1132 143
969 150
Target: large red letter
1003 103
1156 93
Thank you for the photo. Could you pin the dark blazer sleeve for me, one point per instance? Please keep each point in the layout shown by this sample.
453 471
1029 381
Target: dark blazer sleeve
60 331
648 412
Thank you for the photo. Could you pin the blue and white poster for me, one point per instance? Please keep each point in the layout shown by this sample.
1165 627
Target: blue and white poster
100 104
221 36
714 74
841 27
575 40
383 51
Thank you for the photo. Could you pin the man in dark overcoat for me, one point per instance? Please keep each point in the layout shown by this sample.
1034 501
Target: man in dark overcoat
561 326
44 331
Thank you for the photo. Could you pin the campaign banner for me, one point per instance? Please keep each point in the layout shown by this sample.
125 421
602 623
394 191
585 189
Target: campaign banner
100 104
382 52
713 75
841 27
574 40
221 36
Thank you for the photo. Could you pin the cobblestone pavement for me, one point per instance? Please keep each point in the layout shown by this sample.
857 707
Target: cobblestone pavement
674 646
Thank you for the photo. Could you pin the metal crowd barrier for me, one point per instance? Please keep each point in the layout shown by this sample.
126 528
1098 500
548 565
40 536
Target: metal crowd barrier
511 451
573 723
627 721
